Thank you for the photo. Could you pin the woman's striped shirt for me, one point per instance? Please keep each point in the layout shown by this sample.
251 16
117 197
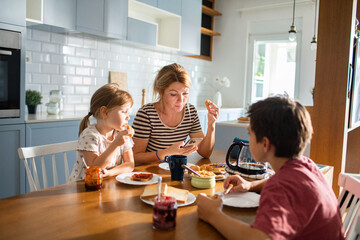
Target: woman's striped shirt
148 125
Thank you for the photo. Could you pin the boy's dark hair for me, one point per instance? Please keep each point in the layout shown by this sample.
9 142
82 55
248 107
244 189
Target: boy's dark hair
284 122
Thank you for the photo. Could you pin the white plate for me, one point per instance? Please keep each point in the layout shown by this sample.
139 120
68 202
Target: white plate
125 178
241 200
191 199
165 165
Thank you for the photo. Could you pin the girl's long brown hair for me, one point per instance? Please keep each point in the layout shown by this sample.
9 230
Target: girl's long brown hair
110 96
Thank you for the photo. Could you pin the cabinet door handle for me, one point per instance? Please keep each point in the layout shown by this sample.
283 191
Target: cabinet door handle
5 52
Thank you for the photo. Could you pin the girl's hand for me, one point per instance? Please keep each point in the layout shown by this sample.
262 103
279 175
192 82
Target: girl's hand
177 148
213 112
105 173
207 207
240 184
122 137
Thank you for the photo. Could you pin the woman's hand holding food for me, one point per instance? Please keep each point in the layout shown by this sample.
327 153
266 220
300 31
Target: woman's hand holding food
239 184
207 207
213 112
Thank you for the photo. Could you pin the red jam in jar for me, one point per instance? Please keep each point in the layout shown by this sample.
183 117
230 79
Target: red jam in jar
164 216
93 178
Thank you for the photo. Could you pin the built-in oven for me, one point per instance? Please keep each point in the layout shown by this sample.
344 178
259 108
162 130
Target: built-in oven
10 60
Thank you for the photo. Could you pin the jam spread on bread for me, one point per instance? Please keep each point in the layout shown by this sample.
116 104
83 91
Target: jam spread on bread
142 177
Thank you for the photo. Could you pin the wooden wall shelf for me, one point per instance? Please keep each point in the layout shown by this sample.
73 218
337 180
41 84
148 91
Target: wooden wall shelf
209 11
209 32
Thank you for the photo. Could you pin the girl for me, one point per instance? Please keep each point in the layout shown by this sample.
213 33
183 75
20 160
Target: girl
162 127
107 143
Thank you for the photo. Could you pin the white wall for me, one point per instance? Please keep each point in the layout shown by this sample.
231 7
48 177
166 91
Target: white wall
231 49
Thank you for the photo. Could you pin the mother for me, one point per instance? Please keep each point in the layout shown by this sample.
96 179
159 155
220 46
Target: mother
162 127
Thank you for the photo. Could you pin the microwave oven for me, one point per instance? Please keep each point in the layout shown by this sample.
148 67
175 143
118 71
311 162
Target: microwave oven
10 76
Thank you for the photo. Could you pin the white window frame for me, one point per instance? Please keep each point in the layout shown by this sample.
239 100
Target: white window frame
250 65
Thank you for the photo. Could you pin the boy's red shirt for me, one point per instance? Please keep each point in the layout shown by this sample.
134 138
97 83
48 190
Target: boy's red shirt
298 203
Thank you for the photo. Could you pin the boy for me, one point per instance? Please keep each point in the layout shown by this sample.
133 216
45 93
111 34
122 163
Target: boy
295 203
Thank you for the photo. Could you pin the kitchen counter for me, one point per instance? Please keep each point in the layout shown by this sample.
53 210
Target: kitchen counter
63 116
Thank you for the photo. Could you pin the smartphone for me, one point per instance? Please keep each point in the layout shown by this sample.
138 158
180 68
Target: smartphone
193 142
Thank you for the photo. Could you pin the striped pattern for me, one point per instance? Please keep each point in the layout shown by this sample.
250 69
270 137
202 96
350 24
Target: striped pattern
147 125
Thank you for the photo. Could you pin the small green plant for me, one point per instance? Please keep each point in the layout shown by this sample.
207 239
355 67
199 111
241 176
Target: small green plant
33 97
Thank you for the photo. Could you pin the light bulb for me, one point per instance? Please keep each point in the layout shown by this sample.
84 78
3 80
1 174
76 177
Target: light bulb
292 36
292 33
313 44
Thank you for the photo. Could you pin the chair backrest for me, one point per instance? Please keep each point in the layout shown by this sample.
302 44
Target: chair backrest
26 153
349 202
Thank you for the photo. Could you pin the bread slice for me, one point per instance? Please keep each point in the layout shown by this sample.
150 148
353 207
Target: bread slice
180 195
142 177
151 191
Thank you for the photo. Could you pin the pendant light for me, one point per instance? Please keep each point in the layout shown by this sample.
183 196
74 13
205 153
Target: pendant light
292 32
314 40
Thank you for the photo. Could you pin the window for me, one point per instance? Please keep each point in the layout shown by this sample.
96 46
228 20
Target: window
273 67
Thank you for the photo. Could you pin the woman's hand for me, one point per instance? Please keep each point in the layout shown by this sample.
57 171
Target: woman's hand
208 207
240 184
177 148
105 173
213 112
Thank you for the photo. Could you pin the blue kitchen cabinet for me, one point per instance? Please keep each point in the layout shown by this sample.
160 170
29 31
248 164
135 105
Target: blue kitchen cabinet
149 2
173 6
48 133
141 32
105 18
60 13
13 12
190 26
12 177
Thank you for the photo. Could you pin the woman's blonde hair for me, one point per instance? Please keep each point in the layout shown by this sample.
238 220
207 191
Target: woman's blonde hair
167 75
110 96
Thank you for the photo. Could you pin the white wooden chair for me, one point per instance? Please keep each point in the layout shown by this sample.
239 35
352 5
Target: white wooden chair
26 153
349 202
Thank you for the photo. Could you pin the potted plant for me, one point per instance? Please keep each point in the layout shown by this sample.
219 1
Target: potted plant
32 99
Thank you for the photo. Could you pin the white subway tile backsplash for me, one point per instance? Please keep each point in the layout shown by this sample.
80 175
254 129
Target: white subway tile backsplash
58 59
33 45
33 67
40 35
40 78
75 41
83 71
87 62
74 80
58 79
67 70
40 57
67 50
50 68
88 81
59 38
81 90
49 47
82 52
67 90
89 43
74 99
74 61
78 65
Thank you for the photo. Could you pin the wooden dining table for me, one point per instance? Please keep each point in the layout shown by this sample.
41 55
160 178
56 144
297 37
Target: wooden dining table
115 211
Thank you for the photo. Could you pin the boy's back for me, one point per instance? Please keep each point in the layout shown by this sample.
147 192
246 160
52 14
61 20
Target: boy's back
298 203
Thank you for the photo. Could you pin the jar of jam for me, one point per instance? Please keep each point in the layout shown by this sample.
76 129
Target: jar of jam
93 178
